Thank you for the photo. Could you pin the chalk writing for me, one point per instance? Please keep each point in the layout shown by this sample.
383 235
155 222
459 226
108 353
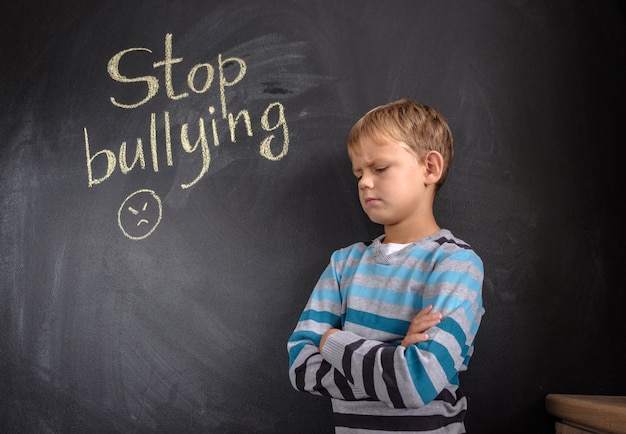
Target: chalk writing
194 139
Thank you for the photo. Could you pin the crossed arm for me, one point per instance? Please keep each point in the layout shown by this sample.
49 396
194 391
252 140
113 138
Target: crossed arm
435 347
421 322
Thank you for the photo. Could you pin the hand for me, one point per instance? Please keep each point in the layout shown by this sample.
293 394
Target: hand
323 340
421 322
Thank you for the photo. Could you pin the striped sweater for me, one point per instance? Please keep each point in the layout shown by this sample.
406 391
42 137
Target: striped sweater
376 384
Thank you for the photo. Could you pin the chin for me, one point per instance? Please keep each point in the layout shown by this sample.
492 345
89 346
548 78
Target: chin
377 220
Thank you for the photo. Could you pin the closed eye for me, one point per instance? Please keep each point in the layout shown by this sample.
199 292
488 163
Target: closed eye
381 169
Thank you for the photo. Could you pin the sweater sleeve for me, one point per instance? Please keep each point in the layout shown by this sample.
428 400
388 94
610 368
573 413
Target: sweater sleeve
308 371
414 376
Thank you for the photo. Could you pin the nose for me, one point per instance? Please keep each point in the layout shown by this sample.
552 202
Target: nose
366 181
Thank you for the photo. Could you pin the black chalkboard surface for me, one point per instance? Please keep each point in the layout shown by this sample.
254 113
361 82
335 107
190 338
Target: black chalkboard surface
173 179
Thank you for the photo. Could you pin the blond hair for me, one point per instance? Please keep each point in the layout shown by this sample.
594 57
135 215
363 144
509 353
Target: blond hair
417 127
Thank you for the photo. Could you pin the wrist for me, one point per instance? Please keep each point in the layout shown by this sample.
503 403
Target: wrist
328 333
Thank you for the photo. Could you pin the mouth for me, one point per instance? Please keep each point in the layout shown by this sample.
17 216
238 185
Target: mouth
370 200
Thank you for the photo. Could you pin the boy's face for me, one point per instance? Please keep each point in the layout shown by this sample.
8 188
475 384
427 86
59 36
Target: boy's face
391 183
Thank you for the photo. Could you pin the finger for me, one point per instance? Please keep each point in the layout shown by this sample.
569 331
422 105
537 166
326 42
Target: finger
420 325
431 318
414 338
427 310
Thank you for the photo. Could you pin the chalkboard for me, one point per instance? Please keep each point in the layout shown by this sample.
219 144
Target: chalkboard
173 179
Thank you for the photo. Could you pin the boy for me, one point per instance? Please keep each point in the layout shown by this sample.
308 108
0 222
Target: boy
391 323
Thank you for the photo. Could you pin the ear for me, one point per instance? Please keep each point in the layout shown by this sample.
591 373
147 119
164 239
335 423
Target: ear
433 166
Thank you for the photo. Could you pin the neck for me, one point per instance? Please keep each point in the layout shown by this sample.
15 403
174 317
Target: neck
408 233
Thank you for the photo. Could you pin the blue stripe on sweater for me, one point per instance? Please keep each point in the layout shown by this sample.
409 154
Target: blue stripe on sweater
305 335
411 274
328 273
420 377
451 303
411 299
454 277
460 256
320 317
294 351
305 338
377 322
399 272
451 326
325 294
443 357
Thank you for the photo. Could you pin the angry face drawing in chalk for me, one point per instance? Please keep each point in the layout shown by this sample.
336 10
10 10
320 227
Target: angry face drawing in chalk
140 214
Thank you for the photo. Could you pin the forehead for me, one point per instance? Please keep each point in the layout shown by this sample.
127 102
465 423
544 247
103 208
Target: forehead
371 149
